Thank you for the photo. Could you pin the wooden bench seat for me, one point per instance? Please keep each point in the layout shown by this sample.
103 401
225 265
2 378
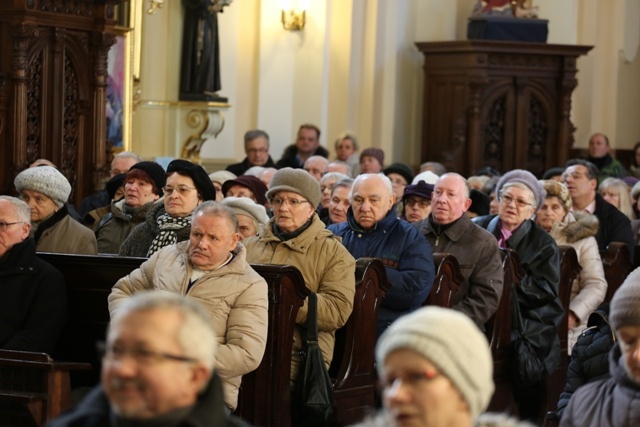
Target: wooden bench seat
616 261
447 281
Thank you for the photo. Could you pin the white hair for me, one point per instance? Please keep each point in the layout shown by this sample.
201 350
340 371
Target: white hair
20 208
385 180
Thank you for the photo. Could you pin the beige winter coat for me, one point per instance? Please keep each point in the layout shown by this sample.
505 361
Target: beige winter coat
578 230
235 295
328 270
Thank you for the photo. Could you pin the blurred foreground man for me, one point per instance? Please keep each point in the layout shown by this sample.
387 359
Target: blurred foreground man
157 369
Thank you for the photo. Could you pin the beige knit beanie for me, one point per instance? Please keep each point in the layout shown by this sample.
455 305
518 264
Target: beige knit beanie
297 181
453 343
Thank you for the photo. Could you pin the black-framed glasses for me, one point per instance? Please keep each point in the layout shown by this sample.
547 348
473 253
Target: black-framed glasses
181 189
5 225
141 356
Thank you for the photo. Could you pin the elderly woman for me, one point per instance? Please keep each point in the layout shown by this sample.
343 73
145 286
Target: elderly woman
218 179
46 191
327 182
520 194
577 230
168 223
416 202
440 375
616 192
340 202
142 188
246 186
252 217
296 236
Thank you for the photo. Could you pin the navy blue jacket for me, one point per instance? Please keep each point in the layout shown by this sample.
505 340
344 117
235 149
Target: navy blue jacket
407 257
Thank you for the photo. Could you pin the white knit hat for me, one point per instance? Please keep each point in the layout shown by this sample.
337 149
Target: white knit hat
46 180
453 343
246 206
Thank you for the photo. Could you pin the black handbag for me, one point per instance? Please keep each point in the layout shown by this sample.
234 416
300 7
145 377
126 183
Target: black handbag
313 393
527 366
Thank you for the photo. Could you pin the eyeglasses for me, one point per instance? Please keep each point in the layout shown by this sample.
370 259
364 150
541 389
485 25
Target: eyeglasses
520 204
422 203
141 356
257 150
5 225
411 379
181 189
294 203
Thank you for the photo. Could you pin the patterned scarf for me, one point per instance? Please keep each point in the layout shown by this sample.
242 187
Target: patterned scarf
167 235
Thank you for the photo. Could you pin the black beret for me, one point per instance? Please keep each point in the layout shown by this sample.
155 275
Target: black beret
197 174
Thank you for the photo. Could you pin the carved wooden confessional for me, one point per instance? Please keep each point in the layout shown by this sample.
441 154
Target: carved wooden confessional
53 69
501 104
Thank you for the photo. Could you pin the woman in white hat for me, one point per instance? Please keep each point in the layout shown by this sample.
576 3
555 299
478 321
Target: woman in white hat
46 191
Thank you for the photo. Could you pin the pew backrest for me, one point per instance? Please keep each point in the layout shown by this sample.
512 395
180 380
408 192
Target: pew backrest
447 281
353 368
616 261
265 394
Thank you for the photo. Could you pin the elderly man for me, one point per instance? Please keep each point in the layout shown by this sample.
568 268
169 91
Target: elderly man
316 166
256 147
614 401
307 144
372 229
449 229
33 297
120 164
296 236
211 268
581 179
600 155
157 369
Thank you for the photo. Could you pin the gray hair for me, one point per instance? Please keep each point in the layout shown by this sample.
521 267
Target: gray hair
20 208
336 176
316 157
254 171
195 334
383 178
346 183
128 154
466 190
592 170
522 186
435 167
217 209
342 163
253 134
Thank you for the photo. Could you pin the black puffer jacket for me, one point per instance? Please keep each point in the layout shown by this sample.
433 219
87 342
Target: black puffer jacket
538 291
589 359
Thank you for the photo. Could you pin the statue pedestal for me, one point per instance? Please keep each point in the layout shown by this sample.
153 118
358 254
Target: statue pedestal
176 128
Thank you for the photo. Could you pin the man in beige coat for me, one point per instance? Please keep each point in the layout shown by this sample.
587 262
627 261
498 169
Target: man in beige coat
211 268
296 236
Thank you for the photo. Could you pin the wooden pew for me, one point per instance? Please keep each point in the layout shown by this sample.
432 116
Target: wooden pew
447 281
499 332
265 396
89 281
353 365
569 271
616 261
37 382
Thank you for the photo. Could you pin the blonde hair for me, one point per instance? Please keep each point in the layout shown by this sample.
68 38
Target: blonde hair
618 187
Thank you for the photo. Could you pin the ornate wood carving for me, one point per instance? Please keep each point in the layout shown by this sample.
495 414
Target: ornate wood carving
515 99
53 102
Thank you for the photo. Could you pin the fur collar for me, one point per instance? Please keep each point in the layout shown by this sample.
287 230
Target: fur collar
576 226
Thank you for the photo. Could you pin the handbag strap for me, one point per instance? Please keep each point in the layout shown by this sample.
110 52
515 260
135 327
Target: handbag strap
312 317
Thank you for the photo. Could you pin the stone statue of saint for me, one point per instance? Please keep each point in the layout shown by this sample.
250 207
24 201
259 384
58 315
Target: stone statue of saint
200 65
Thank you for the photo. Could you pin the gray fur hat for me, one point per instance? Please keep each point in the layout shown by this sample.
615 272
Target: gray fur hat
526 178
297 181
559 190
46 180
625 304
453 343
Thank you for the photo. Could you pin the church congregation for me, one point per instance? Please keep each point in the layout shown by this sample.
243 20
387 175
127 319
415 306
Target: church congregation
211 215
